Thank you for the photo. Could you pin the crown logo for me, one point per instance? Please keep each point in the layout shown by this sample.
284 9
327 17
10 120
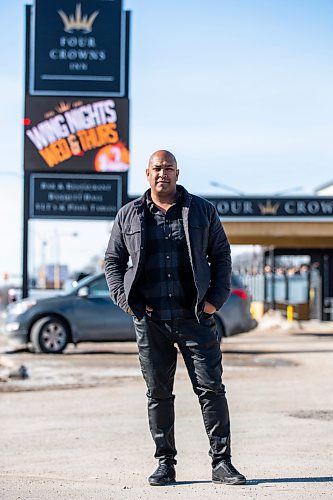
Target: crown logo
78 22
63 107
269 209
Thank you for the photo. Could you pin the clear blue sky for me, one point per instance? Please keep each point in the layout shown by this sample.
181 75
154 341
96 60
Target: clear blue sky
239 90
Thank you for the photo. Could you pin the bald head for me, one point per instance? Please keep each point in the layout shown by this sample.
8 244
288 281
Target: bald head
162 175
162 155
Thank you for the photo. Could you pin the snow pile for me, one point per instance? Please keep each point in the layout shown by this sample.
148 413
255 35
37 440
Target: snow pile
273 320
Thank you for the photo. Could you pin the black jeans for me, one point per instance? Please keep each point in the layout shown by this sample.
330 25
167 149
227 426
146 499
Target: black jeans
202 355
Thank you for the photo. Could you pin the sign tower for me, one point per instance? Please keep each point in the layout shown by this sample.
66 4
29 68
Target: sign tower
76 122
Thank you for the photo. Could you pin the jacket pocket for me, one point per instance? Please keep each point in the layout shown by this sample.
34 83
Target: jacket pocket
132 235
199 233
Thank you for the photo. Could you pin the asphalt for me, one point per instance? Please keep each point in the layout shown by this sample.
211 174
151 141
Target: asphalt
77 427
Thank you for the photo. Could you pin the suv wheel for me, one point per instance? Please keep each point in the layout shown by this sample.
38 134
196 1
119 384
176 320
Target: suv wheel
49 334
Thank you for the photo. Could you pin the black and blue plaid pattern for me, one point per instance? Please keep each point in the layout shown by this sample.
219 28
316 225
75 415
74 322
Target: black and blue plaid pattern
166 281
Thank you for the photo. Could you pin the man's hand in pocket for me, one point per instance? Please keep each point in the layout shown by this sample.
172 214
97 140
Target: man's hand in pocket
209 308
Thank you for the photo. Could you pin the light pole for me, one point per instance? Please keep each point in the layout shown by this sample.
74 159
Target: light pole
56 269
286 191
57 264
43 267
241 193
227 188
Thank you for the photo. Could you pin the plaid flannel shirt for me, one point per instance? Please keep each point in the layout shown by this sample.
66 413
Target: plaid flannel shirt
166 281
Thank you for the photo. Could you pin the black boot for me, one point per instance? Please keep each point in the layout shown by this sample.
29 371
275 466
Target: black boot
226 473
164 474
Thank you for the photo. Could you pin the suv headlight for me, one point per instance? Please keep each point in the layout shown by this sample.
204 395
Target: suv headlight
21 307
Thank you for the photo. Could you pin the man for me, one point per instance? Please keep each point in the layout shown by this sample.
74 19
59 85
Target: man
179 276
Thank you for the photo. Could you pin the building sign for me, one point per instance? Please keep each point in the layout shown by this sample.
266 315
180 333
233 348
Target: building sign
269 208
74 196
82 135
78 47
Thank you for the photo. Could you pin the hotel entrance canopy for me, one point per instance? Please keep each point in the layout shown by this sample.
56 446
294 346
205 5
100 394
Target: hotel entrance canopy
294 222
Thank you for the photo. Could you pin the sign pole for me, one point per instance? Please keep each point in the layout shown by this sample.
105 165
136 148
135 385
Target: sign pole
26 177
25 271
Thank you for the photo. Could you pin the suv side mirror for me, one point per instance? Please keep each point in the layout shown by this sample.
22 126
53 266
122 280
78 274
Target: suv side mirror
83 292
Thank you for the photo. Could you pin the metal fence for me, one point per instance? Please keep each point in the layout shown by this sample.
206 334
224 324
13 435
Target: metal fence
293 289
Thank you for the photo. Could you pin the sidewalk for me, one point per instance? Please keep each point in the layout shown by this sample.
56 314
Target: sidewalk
94 443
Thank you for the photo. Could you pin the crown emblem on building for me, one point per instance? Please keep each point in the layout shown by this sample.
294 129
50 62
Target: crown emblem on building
268 208
78 21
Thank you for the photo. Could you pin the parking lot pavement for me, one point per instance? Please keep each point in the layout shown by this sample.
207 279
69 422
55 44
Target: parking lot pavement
77 427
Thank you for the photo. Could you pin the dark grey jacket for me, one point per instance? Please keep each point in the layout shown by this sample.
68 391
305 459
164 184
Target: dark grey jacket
207 244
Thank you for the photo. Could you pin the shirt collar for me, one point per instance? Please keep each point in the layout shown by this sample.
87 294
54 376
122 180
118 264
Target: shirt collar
150 204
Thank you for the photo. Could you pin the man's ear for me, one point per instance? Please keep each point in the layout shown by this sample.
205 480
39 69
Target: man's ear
147 172
177 174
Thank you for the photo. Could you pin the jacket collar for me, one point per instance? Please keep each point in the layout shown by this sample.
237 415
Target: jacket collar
186 197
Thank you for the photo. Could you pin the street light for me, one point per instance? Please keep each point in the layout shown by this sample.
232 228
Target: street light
289 190
228 188
57 264
241 193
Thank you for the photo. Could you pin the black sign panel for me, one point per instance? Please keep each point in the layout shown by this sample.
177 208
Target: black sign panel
76 135
78 47
75 196
268 208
